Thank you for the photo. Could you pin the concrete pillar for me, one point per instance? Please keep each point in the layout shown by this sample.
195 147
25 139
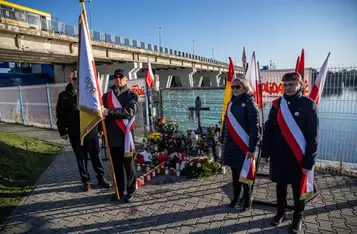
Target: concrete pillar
223 78
203 77
105 82
185 75
61 72
131 68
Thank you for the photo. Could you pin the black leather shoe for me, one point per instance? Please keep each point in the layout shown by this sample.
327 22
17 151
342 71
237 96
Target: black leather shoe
234 203
278 218
86 187
129 198
105 183
296 224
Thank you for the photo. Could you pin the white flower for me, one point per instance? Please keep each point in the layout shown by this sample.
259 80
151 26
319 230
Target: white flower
198 165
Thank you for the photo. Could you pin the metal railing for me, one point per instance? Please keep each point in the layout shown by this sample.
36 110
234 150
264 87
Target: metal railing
12 17
337 114
35 105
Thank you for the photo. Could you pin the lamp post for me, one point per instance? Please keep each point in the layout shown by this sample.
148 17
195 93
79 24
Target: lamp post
90 15
160 37
193 47
212 53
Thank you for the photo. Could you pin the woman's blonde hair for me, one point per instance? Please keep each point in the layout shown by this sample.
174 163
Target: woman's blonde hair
246 85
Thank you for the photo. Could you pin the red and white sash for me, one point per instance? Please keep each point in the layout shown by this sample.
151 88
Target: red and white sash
241 138
124 124
296 140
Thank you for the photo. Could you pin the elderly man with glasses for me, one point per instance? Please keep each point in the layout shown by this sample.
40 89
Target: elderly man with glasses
121 106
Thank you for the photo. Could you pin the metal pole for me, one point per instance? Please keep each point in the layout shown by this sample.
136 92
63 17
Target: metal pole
148 91
49 105
21 107
159 36
90 15
193 47
212 53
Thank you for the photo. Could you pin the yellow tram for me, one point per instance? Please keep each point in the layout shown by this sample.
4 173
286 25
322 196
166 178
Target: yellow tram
11 13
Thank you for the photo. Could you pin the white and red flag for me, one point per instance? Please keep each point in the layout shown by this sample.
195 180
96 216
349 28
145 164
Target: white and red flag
149 78
254 80
318 87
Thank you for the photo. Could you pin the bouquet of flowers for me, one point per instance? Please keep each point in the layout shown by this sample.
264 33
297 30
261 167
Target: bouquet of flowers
201 166
154 137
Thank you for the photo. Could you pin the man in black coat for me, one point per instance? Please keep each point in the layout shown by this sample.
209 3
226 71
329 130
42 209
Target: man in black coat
128 100
284 165
68 125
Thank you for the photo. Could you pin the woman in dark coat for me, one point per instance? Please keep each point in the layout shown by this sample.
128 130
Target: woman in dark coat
245 111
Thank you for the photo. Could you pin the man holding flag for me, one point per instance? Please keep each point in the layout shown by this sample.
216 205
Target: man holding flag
291 142
121 106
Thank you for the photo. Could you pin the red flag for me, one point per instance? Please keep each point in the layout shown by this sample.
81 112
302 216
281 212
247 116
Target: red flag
300 68
297 64
149 78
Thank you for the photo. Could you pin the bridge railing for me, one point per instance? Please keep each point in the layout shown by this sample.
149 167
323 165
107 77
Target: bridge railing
13 17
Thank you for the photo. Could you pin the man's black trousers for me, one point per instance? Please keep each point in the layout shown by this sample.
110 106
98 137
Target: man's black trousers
120 164
91 146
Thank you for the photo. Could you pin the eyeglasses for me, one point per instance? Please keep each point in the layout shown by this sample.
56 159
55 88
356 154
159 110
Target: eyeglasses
236 86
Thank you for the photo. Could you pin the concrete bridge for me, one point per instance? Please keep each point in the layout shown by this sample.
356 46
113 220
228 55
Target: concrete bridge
33 46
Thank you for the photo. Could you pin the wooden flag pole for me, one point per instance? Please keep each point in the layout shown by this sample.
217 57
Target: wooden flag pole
110 160
103 122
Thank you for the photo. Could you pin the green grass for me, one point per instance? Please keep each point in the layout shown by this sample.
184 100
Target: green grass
22 162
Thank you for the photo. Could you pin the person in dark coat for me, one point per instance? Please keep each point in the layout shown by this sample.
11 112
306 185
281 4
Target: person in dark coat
68 125
245 111
121 161
284 166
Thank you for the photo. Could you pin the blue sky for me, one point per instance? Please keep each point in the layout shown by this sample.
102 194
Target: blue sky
277 29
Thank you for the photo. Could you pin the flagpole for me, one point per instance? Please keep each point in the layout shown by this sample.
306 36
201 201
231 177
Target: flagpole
148 94
103 122
261 131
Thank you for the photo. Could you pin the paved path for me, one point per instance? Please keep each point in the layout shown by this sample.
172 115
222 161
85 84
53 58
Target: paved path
170 204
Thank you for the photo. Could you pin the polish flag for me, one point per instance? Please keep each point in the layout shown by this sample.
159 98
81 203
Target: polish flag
254 80
318 87
149 78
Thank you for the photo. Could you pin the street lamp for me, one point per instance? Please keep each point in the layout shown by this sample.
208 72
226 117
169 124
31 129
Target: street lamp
90 15
193 47
212 53
159 37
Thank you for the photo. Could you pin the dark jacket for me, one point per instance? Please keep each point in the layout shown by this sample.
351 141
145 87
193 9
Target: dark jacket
245 111
284 167
129 102
68 114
